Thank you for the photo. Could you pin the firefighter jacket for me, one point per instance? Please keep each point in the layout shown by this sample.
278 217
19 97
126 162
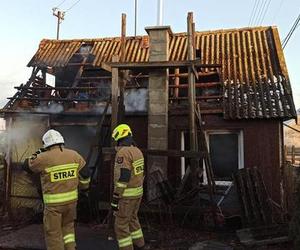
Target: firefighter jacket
61 171
129 172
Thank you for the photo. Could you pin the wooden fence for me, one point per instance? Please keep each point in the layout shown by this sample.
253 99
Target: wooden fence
291 176
292 154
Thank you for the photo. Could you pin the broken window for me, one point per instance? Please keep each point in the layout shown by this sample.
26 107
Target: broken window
226 152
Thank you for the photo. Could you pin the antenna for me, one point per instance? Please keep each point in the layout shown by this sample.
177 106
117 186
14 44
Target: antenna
60 17
135 16
160 12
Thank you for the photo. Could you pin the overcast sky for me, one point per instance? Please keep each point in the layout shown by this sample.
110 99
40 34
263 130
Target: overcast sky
24 23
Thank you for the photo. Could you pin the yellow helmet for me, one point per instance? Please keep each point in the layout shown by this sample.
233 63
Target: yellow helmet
121 131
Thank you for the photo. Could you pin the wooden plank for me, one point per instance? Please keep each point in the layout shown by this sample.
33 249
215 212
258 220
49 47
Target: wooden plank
162 65
97 138
59 88
191 90
258 194
242 192
123 38
197 85
114 94
257 219
177 82
100 99
169 153
105 66
266 199
199 97
293 154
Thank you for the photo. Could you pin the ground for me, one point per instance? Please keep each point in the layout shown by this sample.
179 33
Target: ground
90 237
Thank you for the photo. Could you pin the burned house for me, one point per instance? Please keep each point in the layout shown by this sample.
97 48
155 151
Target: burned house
242 88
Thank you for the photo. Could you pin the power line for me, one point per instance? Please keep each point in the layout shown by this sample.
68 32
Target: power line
295 24
60 3
277 11
292 30
260 11
266 11
73 5
252 12
256 7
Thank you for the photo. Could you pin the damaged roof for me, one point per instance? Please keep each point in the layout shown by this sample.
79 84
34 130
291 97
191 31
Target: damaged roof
254 73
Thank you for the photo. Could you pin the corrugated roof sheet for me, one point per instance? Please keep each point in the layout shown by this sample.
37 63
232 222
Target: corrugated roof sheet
253 67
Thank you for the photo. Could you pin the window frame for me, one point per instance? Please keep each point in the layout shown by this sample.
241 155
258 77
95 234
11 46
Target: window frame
240 134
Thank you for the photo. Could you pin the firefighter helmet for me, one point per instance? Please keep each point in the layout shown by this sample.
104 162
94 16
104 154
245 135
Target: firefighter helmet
52 137
121 131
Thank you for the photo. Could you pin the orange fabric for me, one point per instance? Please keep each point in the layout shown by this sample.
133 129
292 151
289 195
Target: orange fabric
124 159
53 157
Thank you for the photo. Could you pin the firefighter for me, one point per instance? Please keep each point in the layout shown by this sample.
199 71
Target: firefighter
61 171
128 190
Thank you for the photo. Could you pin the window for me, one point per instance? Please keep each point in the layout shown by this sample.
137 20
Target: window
227 154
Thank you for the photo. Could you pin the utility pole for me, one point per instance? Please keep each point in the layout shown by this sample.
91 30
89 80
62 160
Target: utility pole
60 17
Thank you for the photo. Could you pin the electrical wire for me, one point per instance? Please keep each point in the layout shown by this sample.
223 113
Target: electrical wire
256 11
252 12
73 5
60 3
292 30
277 11
295 24
265 12
260 11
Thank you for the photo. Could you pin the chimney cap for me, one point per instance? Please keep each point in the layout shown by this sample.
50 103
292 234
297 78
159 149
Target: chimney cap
167 28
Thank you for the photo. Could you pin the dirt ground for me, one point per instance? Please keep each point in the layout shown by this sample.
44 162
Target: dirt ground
158 238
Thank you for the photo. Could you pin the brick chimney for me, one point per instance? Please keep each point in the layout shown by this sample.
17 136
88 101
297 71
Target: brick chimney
158 106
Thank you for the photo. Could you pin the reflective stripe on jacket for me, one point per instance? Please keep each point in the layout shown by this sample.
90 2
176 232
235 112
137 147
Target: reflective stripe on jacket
59 171
129 158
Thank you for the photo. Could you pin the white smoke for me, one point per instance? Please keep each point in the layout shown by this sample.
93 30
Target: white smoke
136 100
23 136
53 108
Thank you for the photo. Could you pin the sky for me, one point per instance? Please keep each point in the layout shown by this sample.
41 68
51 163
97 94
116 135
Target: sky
24 23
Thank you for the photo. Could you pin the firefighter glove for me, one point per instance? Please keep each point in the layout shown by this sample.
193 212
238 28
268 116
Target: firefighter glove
115 203
25 166
38 152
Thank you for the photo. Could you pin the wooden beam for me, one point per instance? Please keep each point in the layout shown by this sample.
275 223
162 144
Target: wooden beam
57 99
106 66
59 88
162 65
114 94
177 82
124 73
197 85
123 38
157 152
191 89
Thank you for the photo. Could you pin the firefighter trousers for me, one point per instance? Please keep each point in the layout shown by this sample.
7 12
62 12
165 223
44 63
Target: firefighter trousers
59 227
127 226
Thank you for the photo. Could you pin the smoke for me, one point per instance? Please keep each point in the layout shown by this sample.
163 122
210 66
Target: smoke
136 100
100 107
53 108
23 136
